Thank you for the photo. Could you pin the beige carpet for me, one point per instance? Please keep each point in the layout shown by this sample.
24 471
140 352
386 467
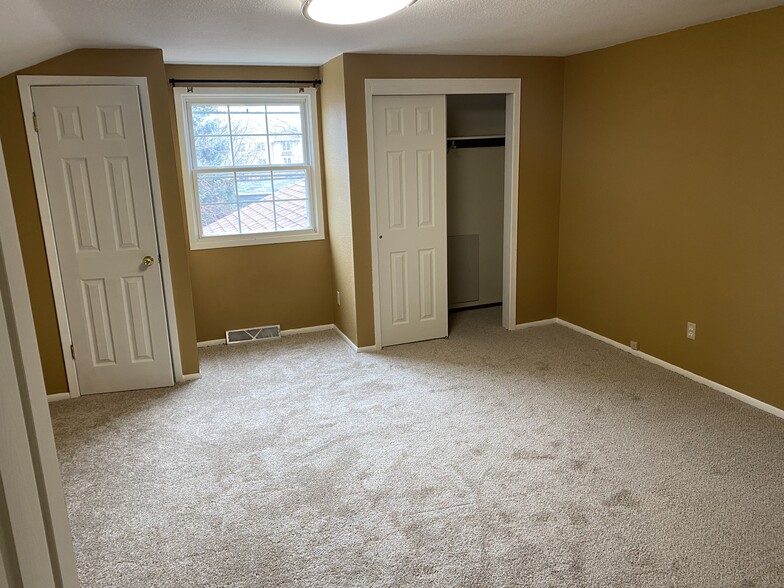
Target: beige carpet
494 458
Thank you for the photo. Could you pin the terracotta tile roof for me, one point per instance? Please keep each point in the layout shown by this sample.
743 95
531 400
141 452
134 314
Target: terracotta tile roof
291 212
295 191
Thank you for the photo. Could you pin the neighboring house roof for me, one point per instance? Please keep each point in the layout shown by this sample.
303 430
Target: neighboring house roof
290 211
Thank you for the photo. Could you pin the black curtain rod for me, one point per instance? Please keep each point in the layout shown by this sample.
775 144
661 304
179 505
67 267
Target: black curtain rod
314 83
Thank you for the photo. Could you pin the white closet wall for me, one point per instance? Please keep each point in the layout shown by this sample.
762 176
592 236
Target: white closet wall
475 201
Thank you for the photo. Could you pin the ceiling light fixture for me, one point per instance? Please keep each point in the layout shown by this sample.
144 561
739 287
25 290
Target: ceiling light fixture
345 12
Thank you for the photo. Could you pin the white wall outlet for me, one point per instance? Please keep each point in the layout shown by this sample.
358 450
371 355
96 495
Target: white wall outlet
338 297
634 345
691 331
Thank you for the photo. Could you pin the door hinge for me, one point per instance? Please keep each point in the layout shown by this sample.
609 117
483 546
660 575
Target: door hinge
73 353
35 122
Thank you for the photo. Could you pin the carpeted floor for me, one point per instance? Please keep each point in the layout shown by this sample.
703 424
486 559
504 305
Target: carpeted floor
494 458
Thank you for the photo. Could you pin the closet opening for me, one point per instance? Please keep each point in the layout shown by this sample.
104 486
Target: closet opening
443 178
475 162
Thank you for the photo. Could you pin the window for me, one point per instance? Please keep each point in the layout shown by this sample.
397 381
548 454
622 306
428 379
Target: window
250 166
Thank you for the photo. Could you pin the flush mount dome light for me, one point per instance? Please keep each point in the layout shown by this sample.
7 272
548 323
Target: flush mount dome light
344 12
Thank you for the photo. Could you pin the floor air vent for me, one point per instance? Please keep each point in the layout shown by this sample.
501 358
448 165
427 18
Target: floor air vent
253 334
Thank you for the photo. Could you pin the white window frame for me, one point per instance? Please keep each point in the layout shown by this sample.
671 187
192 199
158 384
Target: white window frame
183 97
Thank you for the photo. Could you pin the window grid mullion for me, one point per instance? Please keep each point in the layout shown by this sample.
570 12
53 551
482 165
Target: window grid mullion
237 202
231 138
274 206
269 149
234 173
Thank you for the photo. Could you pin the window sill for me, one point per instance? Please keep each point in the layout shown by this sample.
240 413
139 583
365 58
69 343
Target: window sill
261 239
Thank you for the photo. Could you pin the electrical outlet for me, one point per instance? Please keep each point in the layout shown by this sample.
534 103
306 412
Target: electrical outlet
691 331
634 345
338 297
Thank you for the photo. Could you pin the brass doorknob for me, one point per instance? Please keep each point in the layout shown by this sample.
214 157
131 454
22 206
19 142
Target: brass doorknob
148 260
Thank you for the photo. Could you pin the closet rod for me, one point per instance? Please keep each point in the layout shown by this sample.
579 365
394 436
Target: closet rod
185 82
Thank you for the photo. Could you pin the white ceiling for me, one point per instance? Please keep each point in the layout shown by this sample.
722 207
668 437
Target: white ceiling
275 32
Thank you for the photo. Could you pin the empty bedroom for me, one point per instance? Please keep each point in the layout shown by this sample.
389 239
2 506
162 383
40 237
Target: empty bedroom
340 293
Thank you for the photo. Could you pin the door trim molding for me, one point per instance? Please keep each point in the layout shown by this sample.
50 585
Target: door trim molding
26 84
512 87
34 450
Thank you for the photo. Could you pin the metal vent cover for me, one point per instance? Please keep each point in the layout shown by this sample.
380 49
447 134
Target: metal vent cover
252 334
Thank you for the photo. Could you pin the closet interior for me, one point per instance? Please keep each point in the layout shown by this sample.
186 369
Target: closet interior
475 199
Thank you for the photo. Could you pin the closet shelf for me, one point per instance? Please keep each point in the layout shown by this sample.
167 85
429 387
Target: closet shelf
474 137
476 141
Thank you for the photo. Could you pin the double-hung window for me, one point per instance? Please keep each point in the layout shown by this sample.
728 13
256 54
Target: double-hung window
250 165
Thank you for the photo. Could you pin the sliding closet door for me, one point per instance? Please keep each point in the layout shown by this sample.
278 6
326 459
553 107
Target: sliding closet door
410 170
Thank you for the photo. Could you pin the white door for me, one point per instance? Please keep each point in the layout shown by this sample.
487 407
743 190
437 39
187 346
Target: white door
98 183
410 167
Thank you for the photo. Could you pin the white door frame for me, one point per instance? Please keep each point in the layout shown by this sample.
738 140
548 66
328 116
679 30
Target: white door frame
29 471
512 88
26 83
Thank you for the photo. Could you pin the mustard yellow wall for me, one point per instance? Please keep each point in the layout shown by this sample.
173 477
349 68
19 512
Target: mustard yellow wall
672 207
663 203
285 283
336 170
93 62
540 167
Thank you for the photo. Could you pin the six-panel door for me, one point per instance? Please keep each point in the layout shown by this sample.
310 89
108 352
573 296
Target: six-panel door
410 171
98 185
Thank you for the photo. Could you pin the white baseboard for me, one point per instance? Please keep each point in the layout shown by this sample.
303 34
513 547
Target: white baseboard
299 331
542 323
58 397
284 333
350 343
287 332
191 377
601 338
678 370
345 338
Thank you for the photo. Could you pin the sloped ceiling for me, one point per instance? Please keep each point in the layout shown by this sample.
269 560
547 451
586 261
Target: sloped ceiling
27 35
274 32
